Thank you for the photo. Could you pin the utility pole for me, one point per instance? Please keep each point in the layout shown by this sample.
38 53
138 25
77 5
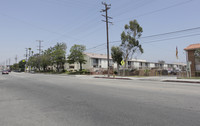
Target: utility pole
40 49
16 59
6 63
26 55
26 58
29 52
107 7
40 46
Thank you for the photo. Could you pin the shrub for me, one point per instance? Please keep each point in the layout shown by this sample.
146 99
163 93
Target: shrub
115 72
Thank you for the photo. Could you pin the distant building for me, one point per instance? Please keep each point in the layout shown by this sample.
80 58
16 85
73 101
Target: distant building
195 62
5 67
143 64
96 62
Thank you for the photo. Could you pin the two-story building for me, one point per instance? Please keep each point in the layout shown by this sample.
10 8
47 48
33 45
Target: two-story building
95 62
192 60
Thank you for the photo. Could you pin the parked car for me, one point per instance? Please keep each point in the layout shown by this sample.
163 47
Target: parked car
5 72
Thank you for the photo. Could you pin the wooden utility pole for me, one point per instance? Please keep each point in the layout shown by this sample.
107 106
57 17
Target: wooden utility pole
107 7
26 54
40 49
26 59
16 59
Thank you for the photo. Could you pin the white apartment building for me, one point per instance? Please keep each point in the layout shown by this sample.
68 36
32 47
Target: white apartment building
93 62
96 62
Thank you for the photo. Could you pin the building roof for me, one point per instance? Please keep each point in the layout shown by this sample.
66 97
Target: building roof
193 47
137 60
98 56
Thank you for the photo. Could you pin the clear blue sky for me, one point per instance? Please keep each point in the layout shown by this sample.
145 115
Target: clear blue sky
22 22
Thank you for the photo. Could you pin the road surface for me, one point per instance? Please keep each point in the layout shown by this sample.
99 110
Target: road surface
53 100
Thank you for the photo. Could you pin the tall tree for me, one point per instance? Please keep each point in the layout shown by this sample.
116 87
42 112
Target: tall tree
34 61
76 55
58 55
130 43
116 54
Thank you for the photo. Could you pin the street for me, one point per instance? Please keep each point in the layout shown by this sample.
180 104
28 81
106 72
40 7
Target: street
56 100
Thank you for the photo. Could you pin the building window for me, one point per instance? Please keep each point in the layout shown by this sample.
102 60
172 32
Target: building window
129 63
146 65
71 67
95 63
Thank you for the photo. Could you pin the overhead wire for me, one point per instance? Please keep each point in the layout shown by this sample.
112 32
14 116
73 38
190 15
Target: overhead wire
118 21
158 10
135 7
66 3
151 36
185 36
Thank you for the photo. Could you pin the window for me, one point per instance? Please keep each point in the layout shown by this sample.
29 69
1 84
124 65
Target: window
71 67
140 64
146 64
129 63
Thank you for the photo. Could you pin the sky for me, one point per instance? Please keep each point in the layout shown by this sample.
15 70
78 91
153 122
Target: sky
23 22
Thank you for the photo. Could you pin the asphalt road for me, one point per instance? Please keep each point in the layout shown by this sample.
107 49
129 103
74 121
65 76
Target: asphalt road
51 100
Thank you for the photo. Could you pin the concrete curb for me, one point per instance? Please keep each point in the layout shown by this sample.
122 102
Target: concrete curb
181 81
114 78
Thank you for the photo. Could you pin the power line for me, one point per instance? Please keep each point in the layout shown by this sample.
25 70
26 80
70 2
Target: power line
67 3
162 9
185 30
102 44
171 38
168 33
136 7
37 27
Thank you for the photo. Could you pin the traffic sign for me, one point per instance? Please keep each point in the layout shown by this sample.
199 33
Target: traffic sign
122 62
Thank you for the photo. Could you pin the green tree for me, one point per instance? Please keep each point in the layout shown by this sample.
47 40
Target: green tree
58 55
76 55
130 43
22 65
47 58
15 66
33 61
116 54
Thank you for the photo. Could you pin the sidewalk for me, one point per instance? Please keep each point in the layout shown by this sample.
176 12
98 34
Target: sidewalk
152 78
182 80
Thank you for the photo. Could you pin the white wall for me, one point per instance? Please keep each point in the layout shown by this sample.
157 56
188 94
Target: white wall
152 65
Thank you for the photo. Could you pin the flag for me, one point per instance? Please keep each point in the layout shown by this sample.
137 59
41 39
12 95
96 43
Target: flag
176 52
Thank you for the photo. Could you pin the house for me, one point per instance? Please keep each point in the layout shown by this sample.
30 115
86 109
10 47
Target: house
192 60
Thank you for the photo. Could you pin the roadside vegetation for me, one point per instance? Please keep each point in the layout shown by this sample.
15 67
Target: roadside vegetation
53 59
